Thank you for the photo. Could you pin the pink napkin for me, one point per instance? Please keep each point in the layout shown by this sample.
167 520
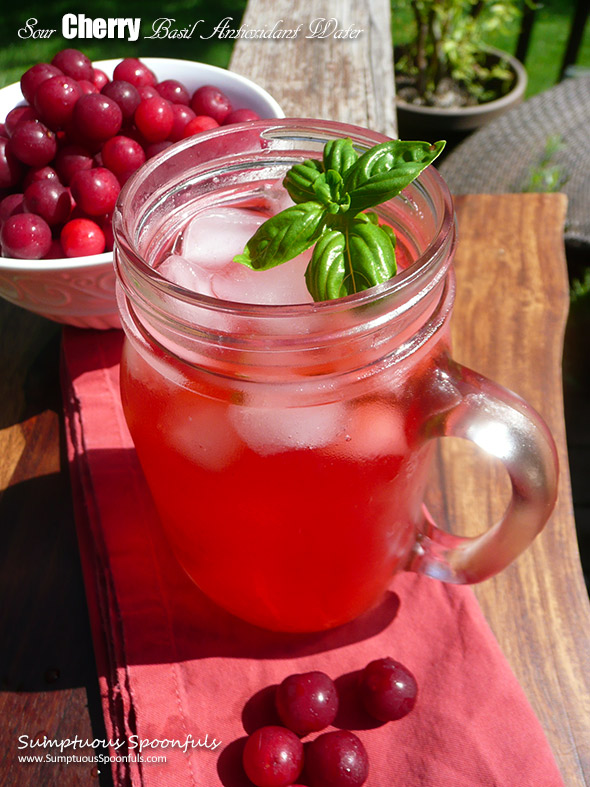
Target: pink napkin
181 679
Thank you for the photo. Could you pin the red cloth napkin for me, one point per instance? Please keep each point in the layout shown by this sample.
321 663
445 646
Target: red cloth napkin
174 667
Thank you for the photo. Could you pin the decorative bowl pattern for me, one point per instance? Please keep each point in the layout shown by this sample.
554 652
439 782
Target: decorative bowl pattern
80 291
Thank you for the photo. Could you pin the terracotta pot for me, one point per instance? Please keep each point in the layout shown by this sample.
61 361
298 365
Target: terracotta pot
433 122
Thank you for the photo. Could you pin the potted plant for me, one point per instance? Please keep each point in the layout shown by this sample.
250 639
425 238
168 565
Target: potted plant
447 80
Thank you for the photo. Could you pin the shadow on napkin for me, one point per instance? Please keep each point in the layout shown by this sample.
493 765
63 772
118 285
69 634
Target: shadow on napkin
187 681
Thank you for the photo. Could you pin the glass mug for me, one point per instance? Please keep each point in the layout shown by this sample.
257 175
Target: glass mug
287 447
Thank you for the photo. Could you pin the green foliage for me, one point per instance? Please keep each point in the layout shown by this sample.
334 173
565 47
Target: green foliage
545 175
580 295
352 252
449 42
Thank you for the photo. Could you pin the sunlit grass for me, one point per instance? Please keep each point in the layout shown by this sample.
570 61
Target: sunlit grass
547 46
17 54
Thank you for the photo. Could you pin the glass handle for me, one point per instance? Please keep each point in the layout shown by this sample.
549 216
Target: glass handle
506 427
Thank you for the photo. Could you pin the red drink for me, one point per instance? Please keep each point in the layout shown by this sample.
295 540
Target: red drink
287 446
290 515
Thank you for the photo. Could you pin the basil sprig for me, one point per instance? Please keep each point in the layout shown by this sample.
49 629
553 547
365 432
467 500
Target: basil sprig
352 250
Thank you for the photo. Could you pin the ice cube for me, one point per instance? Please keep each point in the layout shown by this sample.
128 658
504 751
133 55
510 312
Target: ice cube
271 430
375 428
199 429
282 285
186 274
214 237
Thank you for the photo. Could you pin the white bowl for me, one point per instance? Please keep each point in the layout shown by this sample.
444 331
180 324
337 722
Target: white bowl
81 290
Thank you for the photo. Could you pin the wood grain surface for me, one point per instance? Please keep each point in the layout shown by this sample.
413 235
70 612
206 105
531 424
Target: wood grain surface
345 79
511 309
509 318
47 675
510 314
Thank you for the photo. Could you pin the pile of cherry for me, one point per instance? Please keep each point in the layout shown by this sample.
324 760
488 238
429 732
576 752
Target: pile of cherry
65 154
274 755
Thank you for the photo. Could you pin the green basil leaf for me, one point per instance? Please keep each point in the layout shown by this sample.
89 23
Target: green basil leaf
300 178
371 256
326 269
328 187
385 170
284 236
339 155
348 261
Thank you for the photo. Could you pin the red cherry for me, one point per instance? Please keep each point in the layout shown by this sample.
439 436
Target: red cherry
307 703
153 148
73 63
273 757
241 116
95 191
81 238
209 100
133 70
11 169
10 206
337 759
55 100
154 118
198 124
97 117
48 199
25 237
56 251
122 155
16 116
70 160
88 87
173 91
182 115
387 689
99 78
33 77
125 95
33 143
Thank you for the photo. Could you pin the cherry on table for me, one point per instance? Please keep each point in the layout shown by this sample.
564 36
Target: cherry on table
273 757
387 689
307 702
337 759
